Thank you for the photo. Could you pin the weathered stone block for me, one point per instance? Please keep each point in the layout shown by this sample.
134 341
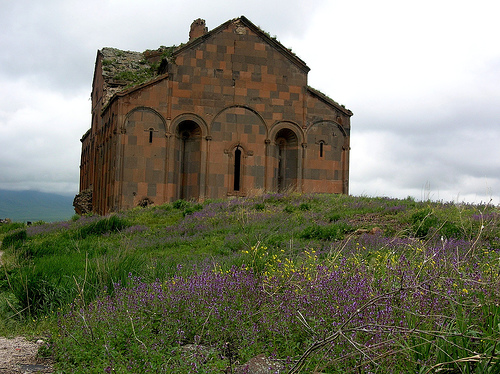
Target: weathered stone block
227 113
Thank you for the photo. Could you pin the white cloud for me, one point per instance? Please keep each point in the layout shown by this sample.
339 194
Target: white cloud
39 142
421 78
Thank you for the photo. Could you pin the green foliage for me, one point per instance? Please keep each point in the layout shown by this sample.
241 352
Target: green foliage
6 227
304 207
107 62
423 221
285 241
180 204
333 217
259 206
135 76
191 209
168 51
451 230
38 293
15 239
454 347
334 231
187 207
103 226
427 221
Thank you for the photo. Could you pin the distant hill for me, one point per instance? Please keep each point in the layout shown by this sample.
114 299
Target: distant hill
23 206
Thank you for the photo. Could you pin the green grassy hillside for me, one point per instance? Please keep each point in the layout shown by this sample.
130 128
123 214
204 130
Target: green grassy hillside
317 283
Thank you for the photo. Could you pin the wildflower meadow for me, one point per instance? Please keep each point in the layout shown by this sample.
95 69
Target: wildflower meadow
315 283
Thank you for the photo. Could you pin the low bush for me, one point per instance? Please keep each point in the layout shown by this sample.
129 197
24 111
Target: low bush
180 204
423 221
333 231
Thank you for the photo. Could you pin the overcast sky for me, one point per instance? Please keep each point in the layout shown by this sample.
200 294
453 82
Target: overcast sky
421 77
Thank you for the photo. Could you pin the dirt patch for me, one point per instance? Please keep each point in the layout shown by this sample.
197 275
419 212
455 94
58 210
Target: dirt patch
19 355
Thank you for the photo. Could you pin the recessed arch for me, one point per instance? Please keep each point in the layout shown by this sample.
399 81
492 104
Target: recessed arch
333 124
286 154
188 117
244 107
287 135
141 113
243 147
188 158
142 158
292 126
327 133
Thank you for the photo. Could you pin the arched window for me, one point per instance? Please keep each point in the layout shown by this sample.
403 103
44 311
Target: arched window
237 169
321 145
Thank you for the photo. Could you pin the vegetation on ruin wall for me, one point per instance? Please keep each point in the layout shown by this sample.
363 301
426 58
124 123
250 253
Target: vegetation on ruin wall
320 283
138 72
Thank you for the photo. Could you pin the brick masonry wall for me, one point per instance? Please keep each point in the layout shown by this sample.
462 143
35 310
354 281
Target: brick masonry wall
232 116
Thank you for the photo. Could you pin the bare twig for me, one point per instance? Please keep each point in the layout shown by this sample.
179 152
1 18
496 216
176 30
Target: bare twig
321 343
133 329
475 358
304 322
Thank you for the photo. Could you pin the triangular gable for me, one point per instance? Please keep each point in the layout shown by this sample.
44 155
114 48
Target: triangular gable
247 23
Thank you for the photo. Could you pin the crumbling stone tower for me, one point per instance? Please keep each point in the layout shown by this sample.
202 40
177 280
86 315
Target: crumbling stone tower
229 113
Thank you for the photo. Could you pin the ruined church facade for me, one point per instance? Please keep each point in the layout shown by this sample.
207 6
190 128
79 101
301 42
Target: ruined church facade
229 113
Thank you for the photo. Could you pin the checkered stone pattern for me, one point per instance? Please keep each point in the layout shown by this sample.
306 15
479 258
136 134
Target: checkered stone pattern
234 68
323 161
234 90
233 128
144 156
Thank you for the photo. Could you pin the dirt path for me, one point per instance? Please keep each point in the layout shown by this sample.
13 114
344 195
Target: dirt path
18 355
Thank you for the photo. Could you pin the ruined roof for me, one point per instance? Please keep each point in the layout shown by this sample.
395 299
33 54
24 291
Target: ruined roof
115 61
124 69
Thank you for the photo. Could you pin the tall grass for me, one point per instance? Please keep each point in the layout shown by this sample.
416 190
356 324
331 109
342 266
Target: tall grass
188 287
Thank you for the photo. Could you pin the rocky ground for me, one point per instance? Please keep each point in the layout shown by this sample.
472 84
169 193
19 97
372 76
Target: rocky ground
19 355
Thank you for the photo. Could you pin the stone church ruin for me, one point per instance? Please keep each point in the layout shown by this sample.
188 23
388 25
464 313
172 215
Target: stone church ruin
229 113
